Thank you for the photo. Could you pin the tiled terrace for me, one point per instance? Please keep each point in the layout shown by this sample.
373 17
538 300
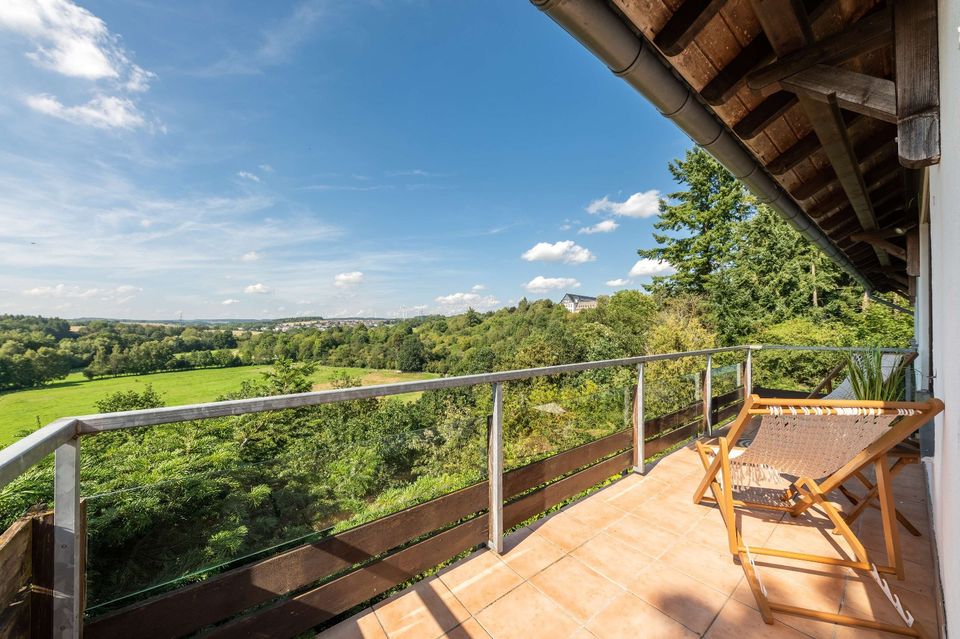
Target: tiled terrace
639 559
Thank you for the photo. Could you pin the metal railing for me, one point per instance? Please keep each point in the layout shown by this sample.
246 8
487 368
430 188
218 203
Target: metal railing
62 437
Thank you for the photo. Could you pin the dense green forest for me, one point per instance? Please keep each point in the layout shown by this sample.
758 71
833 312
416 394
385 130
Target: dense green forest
184 500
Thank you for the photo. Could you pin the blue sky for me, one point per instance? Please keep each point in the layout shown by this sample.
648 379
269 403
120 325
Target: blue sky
273 159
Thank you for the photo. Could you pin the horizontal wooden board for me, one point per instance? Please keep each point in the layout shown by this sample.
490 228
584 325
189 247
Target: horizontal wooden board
41 601
190 608
670 439
15 560
15 618
300 613
731 396
671 421
726 412
538 501
526 477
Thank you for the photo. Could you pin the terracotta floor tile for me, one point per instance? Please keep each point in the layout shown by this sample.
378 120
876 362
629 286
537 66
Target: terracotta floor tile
526 613
565 531
629 617
621 486
863 597
583 633
426 609
639 493
527 553
796 583
737 621
643 535
595 513
479 580
706 566
681 597
364 625
676 515
579 590
613 558
469 629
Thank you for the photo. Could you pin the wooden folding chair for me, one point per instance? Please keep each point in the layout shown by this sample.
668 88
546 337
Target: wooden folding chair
802 439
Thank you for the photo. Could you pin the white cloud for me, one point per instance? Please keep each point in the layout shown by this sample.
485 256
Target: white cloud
645 204
251 256
620 281
71 41
566 251
462 301
230 302
246 175
266 168
257 289
119 293
478 287
541 284
647 267
345 280
606 226
102 112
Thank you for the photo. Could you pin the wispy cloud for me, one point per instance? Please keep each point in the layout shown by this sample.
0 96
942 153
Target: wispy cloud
566 251
645 204
251 256
230 302
647 267
247 175
347 187
541 284
102 112
606 226
277 42
620 281
125 291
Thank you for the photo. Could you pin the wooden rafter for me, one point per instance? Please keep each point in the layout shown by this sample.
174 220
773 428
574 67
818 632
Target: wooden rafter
788 29
803 148
865 94
867 34
753 124
685 23
864 151
878 240
918 82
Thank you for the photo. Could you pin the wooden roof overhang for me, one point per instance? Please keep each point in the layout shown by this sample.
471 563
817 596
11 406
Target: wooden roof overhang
836 100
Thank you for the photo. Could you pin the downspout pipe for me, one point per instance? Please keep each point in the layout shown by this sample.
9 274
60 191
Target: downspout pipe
633 59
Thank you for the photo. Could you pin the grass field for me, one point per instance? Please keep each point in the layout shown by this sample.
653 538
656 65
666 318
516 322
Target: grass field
77 396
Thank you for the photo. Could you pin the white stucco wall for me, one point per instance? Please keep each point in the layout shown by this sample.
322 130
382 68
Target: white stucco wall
945 276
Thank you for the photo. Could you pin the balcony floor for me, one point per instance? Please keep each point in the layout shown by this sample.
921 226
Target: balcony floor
639 559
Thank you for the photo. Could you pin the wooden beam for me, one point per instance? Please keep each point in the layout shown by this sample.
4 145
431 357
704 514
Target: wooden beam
863 150
731 77
877 240
873 97
803 148
684 25
867 34
918 82
788 29
913 253
752 124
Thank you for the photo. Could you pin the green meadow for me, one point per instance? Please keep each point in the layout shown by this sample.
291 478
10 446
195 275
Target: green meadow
23 410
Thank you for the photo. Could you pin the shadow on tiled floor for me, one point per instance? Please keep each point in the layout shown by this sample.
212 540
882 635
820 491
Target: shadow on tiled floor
639 559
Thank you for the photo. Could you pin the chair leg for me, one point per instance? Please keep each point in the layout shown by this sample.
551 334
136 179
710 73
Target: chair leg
888 510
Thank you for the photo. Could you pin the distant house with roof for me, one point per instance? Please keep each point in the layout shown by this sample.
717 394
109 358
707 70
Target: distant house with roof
576 303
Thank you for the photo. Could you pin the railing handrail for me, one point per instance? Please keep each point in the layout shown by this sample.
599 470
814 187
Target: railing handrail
24 453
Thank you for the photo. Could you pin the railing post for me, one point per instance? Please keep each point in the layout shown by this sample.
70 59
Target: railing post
495 471
638 425
748 374
708 396
67 603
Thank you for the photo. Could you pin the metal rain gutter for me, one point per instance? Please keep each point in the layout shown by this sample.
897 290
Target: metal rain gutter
631 58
